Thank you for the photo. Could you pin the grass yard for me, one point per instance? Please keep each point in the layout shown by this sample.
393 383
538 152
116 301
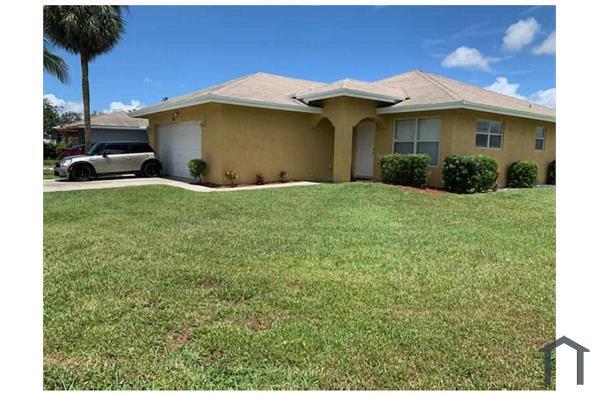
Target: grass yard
353 286
48 174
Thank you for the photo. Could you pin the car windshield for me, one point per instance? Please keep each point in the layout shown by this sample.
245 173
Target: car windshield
95 149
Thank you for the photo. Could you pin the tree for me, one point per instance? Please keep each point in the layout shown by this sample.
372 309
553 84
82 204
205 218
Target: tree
54 64
51 119
69 117
88 31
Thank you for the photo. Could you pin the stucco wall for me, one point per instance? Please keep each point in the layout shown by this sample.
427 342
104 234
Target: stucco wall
457 136
252 140
210 117
269 141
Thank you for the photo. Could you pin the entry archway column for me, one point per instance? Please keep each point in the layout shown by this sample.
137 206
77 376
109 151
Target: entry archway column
342 152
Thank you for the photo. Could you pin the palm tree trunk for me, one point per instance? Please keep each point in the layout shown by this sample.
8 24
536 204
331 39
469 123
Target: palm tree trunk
85 87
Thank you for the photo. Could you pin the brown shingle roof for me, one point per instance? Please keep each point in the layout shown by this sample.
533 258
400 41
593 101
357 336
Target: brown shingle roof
411 91
259 89
356 88
427 89
116 120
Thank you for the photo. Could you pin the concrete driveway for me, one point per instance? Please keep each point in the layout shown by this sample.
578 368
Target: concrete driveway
59 185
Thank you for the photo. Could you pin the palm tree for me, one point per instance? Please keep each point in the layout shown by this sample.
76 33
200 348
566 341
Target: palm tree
88 31
54 64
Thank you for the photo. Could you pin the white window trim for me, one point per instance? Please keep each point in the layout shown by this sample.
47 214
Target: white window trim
416 138
489 133
543 139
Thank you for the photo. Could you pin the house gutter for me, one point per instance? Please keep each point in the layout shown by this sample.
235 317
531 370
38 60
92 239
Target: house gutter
463 104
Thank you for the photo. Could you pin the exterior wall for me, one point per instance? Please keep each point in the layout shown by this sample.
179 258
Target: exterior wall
267 141
457 136
346 113
251 140
99 134
210 117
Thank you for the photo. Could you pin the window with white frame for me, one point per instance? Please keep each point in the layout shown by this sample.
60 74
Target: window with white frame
488 134
540 138
418 136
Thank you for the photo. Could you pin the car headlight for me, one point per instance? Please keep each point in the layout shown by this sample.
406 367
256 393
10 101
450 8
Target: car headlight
66 162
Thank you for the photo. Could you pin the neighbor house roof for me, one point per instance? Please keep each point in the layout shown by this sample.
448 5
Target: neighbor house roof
412 91
111 120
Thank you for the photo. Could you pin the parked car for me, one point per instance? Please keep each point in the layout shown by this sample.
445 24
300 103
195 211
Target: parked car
70 151
110 158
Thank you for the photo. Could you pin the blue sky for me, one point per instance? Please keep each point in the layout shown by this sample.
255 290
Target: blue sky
169 51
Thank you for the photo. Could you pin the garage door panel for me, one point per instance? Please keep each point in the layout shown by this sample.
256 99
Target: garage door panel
178 143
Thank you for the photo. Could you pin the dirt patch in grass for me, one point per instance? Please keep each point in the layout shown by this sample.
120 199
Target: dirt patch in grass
427 191
176 339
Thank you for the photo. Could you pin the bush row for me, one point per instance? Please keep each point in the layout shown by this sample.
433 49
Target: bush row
461 173
469 173
404 169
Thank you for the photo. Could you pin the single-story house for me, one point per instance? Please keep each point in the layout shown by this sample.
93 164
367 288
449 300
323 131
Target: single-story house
113 126
264 123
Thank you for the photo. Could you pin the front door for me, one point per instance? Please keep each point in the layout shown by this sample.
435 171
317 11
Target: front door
364 147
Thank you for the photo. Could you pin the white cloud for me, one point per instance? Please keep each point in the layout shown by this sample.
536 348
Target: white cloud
501 85
520 34
545 97
65 105
469 58
547 47
120 106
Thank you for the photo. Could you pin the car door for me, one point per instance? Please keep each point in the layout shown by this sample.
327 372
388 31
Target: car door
97 160
117 158
139 153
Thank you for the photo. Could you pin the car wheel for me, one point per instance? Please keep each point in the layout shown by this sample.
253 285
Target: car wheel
151 169
81 173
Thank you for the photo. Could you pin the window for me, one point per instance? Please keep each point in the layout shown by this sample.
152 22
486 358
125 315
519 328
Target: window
418 136
116 148
540 137
137 148
488 134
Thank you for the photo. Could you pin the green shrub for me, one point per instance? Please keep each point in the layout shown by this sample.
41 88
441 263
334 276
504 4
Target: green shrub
551 177
469 173
283 176
404 169
198 168
52 150
522 174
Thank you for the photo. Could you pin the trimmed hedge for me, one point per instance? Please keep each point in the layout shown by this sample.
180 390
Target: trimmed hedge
522 174
469 173
551 178
404 169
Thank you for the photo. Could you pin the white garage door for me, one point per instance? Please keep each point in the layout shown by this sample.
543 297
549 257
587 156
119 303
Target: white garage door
177 144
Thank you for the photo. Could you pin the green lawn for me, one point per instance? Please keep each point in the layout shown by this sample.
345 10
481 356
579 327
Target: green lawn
48 174
358 286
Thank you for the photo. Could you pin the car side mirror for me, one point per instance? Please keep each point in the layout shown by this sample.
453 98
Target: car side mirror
104 154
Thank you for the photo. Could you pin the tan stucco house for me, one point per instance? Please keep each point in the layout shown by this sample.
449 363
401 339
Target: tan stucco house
264 123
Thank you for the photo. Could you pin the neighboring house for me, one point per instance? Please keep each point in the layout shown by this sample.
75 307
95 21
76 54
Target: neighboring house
264 123
113 126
